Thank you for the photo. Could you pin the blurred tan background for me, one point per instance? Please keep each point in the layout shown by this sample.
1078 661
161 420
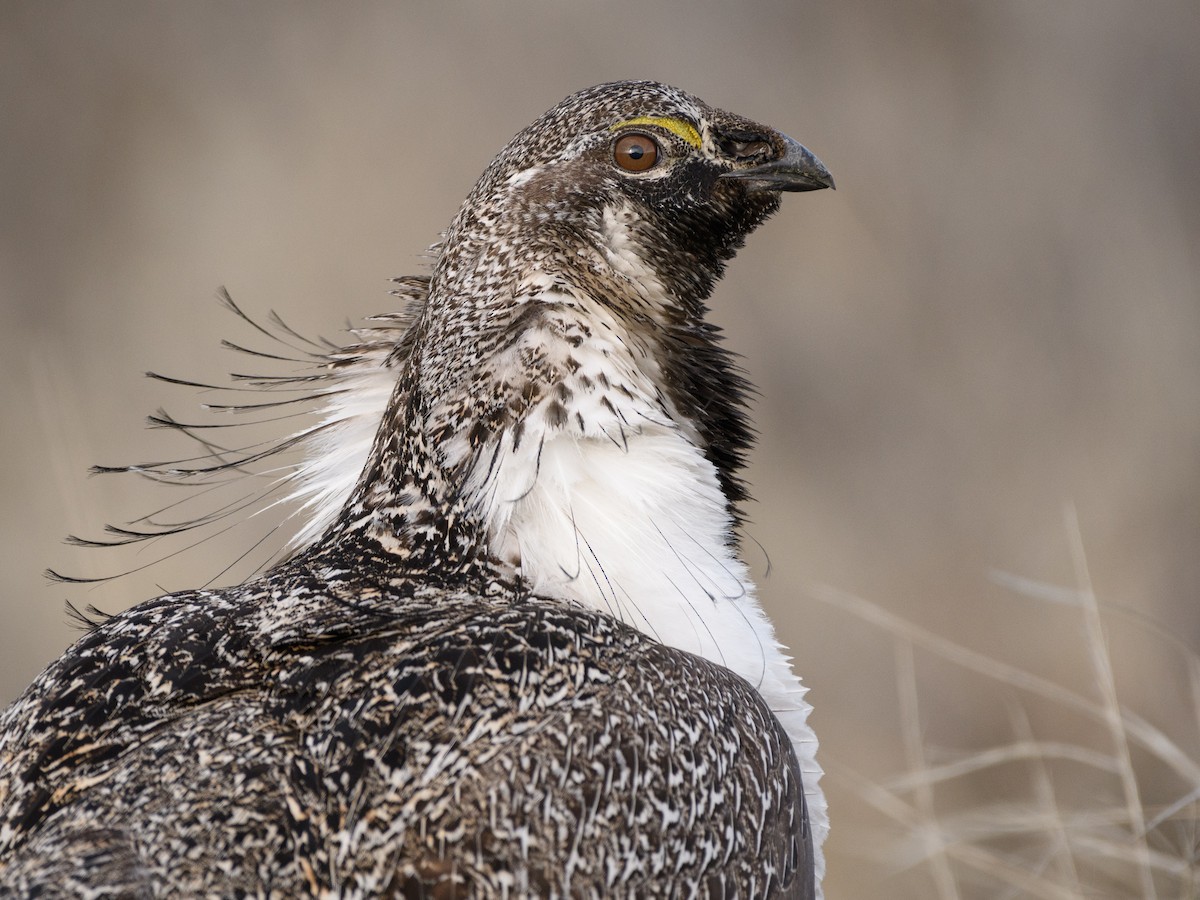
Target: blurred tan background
997 313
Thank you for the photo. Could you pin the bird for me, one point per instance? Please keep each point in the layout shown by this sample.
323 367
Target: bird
515 650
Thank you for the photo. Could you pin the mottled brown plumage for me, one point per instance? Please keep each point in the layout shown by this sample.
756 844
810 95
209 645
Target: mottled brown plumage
469 683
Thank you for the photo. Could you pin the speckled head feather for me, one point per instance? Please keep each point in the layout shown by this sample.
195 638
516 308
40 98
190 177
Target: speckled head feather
516 653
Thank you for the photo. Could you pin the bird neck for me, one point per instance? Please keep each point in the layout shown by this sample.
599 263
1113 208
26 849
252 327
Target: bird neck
591 346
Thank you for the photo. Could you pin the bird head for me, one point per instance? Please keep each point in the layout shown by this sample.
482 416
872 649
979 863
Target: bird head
638 172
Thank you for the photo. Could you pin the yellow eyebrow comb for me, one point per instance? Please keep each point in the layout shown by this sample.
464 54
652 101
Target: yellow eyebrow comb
679 127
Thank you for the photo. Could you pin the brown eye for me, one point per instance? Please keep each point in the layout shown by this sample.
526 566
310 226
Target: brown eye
635 152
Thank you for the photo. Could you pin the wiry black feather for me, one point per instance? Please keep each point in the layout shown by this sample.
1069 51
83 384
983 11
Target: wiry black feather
238 471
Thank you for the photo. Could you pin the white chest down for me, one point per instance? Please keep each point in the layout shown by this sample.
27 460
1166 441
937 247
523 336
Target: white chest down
616 509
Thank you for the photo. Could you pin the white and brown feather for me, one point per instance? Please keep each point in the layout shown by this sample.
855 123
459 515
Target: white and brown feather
513 650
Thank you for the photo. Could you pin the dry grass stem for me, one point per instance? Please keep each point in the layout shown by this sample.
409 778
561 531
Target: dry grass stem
1071 818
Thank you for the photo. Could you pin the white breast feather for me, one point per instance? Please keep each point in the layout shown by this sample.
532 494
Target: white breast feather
337 449
619 511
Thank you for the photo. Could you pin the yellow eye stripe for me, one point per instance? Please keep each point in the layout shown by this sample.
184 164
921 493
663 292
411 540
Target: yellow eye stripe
679 127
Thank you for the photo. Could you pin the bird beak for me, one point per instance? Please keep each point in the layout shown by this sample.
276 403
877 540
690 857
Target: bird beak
797 170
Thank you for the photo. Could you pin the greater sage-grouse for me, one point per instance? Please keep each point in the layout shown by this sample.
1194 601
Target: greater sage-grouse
517 653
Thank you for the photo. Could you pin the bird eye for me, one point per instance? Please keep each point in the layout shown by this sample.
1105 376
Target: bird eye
635 152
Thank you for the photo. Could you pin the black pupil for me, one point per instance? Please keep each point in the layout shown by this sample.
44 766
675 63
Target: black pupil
636 151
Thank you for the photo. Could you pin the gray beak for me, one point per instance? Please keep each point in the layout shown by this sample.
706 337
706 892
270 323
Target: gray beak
797 170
